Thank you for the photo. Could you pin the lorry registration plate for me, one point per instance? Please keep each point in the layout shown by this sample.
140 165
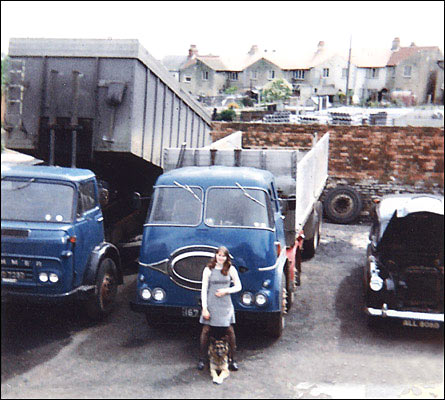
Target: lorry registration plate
190 312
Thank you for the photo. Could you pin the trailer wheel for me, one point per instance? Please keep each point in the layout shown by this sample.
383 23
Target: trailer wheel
104 299
276 324
342 204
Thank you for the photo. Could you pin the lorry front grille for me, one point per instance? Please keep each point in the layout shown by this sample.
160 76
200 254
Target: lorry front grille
424 288
186 266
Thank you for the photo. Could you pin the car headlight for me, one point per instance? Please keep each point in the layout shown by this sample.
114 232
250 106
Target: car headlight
53 278
146 294
247 298
158 294
43 277
260 299
376 283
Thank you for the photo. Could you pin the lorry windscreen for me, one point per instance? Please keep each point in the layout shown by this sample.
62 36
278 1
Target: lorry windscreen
178 205
34 201
238 207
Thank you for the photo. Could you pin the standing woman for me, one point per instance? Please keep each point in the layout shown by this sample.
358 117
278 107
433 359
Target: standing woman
217 307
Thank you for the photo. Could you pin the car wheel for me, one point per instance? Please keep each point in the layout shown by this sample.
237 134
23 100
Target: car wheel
342 205
104 299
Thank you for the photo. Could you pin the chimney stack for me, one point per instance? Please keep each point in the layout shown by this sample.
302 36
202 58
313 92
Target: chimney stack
395 44
413 44
320 45
253 50
193 51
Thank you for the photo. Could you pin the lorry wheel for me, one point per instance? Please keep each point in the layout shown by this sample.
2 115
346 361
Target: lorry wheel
342 204
103 301
290 293
276 324
310 245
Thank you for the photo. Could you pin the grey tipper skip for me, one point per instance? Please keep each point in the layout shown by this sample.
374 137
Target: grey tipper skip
220 308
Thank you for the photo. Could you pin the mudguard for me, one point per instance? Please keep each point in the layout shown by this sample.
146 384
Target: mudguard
104 249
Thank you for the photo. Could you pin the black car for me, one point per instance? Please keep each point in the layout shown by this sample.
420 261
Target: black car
403 276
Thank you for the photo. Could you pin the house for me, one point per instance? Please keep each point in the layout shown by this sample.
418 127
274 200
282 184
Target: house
371 74
415 69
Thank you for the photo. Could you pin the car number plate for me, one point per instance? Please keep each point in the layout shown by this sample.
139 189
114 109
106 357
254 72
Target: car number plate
421 324
190 312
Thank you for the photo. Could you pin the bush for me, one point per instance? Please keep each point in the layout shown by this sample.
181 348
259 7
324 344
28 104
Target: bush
227 115
247 102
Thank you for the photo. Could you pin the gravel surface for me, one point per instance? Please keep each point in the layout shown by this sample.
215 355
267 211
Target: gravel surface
326 351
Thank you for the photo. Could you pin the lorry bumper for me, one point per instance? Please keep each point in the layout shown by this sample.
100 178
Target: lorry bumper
186 313
80 293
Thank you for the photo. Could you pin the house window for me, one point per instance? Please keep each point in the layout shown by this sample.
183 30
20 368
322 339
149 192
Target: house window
407 69
254 74
325 72
392 72
271 74
298 74
187 79
372 73
233 76
205 75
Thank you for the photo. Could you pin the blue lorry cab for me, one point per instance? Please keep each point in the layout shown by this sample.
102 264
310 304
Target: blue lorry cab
193 211
52 234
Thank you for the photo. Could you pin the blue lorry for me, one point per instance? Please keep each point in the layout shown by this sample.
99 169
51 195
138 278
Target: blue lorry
102 110
261 204
53 246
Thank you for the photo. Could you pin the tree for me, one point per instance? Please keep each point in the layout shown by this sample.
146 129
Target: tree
278 89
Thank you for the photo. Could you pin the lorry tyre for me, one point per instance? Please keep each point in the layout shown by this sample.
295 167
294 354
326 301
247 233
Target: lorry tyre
310 245
342 204
290 292
103 301
276 324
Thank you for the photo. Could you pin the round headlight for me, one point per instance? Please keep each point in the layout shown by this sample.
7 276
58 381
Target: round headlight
53 278
158 294
247 299
146 294
376 283
43 276
260 299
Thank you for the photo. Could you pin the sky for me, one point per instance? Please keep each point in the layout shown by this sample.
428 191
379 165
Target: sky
229 27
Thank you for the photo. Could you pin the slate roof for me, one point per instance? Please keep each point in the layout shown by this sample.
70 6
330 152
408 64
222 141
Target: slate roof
405 52
360 57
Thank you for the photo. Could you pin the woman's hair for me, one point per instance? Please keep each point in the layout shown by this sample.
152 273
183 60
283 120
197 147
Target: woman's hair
227 263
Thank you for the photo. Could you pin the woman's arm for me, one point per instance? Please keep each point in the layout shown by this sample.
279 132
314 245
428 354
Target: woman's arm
236 282
205 286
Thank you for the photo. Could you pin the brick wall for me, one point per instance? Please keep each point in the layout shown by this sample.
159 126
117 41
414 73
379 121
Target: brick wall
375 160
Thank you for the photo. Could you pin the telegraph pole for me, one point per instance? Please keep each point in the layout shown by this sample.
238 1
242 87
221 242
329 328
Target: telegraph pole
347 72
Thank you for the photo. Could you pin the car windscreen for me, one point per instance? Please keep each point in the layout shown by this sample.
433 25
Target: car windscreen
36 201
238 207
177 205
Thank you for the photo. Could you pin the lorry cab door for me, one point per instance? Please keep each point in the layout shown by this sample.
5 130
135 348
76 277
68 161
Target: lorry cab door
88 228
